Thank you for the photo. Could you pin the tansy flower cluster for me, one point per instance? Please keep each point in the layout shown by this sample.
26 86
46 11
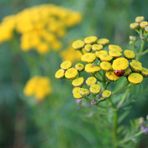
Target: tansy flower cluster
40 27
38 87
140 23
100 64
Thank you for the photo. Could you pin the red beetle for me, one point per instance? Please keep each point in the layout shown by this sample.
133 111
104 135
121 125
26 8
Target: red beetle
119 73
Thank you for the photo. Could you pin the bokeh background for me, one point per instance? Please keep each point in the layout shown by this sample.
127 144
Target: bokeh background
58 122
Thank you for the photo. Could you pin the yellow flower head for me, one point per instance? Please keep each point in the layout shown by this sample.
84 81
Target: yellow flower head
84 92
144 71
38 86
90 68
59 74
134 25
91 81
71 73
120 64
87 47
143 24
115 53
66 65
78 44
96 47
106 66
129 54
103 41
136 65
103 55
111 76
88 57
76 93
113 47
95 88
101 52
79 66
135 78
90 39
106 94
78 81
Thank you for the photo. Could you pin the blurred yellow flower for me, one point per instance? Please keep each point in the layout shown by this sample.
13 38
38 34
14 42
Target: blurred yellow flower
40 27
71 55
38 87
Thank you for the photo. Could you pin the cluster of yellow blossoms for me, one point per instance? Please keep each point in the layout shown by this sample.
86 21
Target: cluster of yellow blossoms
38 87
140 23
40 27
100 64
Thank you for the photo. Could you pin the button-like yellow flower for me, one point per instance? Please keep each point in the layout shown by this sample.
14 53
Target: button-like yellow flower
101 52
88 57
115 53
78 44
71 73
105 57
90 39
59 74
95 88
66 64
111 76
105 66
78 81
91 81
113 47
106 93
103 41
134 25
144 71
96 47
129 54
136 65
76 93
135 78
88 47
90 68
84 92
143 24
120 64
79 66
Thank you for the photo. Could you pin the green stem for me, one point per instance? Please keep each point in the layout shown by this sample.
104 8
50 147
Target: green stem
115 125
115 135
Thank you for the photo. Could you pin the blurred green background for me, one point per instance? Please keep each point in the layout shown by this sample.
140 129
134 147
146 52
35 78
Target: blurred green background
58 122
